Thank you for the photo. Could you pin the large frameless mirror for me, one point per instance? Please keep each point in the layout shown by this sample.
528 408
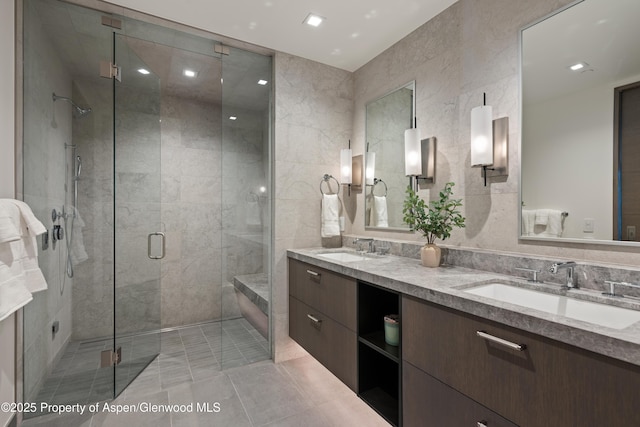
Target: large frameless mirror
386 120
581 124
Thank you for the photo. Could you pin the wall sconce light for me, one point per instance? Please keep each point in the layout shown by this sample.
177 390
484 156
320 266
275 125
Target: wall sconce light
428 148
350 169
412 152
370 168
345 165
489 141
357 172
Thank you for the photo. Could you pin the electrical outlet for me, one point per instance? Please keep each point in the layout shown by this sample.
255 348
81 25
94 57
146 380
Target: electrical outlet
589 225
631 232
55 328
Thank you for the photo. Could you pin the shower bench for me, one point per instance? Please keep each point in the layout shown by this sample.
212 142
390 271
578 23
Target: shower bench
252 291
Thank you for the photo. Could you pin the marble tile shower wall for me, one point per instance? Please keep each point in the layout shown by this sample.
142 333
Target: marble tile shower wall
313 110
93 295
470 48
47 130
203 185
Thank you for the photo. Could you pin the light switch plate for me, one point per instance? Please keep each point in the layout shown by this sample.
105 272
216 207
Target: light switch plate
631 232
589 225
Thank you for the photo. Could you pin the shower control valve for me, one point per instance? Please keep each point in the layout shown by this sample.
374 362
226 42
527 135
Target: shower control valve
58 232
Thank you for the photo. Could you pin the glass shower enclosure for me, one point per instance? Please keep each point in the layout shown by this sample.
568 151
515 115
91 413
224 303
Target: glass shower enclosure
153 177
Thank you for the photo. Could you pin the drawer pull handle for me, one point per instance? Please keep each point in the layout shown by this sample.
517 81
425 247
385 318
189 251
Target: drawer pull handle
482 424
314 319
313 273
509 344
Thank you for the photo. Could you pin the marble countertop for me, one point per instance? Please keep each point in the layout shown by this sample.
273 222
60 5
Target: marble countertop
445 286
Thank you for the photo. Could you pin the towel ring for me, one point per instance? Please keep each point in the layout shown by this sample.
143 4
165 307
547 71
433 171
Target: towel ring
326 179
377 181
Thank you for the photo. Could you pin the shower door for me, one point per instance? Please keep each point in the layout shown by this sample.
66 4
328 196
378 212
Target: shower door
139 240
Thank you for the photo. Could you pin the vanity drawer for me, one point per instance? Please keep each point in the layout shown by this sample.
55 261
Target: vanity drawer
529 387
328 292
329 342
430 403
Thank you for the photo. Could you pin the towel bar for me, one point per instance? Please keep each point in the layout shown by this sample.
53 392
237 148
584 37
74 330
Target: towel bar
377 181
326 179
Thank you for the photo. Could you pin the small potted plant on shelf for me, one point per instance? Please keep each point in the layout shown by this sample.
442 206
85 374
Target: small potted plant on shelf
434 220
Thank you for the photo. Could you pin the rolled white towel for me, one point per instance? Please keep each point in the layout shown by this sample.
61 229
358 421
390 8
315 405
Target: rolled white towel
330 225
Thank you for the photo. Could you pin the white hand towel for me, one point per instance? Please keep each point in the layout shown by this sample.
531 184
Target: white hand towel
528 221
34 226
13 292
379 213
253 213
13 296
554 225
330 215
542 216
9 221
78 252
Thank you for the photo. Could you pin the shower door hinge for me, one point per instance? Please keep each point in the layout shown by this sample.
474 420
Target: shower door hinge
112 22
220 48
109 70
110 358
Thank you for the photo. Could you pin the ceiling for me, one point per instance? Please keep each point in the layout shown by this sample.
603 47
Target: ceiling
602 34
355 31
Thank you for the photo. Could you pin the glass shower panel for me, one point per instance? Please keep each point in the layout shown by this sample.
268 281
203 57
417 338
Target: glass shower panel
140 241
246 200
68 325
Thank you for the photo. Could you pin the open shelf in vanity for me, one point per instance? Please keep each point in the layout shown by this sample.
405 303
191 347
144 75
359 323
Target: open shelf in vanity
379 364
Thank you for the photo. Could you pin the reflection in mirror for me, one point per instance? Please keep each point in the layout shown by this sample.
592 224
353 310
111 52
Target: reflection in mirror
581 123
386 120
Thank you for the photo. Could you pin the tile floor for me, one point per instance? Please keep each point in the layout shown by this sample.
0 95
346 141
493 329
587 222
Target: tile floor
293 393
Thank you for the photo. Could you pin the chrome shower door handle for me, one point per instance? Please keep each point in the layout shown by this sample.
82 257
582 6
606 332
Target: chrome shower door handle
162 245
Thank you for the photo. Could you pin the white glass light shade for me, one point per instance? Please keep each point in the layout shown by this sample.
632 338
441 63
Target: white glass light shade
370 171
412 152
345 166
482 136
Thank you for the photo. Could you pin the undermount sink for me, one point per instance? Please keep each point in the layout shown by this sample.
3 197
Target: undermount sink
344 256
586 311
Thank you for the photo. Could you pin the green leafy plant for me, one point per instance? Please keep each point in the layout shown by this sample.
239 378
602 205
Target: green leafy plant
436 219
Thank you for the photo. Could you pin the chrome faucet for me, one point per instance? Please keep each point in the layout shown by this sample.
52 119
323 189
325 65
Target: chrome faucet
368 240
569 266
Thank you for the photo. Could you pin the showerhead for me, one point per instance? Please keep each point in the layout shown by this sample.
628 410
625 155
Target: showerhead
78 112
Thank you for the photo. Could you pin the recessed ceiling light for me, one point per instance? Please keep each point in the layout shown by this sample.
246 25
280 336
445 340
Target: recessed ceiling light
262 82
232 117
579 66
144 71
190 73
313 20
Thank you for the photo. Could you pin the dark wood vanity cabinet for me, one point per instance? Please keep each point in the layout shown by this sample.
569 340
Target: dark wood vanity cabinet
428 402
546 384
446 374
322 317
